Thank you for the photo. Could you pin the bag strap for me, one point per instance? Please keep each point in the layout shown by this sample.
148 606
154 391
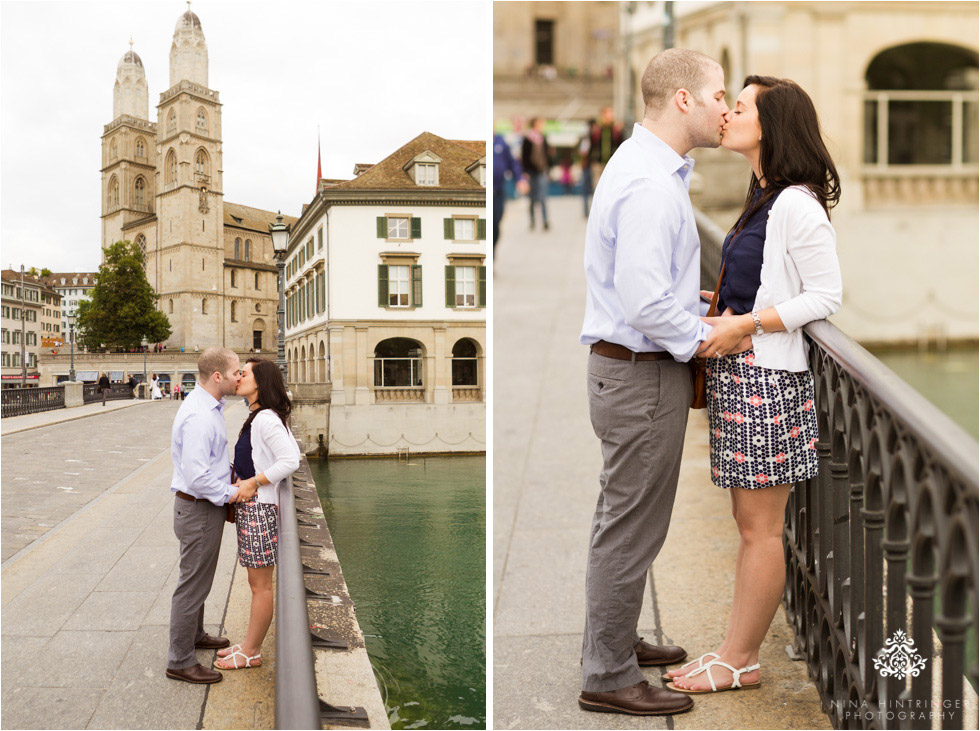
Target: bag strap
714 297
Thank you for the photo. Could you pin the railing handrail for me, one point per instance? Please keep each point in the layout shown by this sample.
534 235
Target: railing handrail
937 432
297 705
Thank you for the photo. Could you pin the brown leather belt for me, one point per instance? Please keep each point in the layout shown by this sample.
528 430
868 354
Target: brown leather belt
612 350
193 499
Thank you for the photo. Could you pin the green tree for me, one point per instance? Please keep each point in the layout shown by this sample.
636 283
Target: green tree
45 272
122 309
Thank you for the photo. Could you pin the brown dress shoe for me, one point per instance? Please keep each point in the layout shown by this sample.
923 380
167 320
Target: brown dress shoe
647 654
641 699
195 674
212 643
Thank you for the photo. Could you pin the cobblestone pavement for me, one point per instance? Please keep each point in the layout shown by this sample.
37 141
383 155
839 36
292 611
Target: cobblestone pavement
51 472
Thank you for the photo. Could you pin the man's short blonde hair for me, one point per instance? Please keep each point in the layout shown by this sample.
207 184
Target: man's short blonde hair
215 360
670 70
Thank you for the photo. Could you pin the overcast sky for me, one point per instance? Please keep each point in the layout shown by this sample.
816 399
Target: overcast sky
373 75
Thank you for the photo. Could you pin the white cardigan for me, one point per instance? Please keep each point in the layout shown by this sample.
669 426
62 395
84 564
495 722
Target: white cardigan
274 452
800 277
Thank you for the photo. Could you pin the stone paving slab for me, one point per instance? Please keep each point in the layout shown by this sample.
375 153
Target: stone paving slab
546 467
14 424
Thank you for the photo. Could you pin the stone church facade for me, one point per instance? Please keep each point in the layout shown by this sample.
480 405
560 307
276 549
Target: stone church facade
210 260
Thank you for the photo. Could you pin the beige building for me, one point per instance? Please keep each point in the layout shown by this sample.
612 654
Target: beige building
386 304
210 261
74 288
895 84
553 59
29 314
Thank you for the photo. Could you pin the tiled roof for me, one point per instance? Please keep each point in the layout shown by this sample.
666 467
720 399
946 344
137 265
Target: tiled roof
254 219
13 276
54 280
389 174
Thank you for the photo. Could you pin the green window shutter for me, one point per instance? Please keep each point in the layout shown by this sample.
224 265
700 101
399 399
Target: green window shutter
481 229
416 228
416 284
482 302
382 227
447 229
450 285
382 285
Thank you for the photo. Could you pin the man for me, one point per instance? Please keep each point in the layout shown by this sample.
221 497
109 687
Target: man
642 264
104 387
536 161
606 137
202 483
132 384
503 163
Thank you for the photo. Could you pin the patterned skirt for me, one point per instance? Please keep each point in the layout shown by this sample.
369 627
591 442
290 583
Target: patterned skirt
763 423
258 533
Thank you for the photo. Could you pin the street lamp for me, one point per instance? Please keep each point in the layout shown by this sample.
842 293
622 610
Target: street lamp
71 338
144 343
280 241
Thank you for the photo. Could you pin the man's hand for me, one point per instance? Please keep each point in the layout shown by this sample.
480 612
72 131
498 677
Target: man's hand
234 498
727 335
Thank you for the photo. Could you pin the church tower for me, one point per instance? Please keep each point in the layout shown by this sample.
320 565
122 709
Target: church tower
128 152
186 267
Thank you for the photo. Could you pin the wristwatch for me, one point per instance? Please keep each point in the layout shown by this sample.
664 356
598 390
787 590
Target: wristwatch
758 323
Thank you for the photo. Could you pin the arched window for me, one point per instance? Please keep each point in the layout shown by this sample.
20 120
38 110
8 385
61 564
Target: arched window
140 148
464 363
171 168
202 121
139 186
171 307
238 248
112 150
248 249
172 122
113 192
141 244
201 166
398 364
234 312
257 280
921 106
322 360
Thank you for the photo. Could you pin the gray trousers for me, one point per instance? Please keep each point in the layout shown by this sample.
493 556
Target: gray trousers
639 412
198 527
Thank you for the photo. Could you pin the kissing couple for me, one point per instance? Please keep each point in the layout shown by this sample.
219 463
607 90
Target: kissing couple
209 491
644 322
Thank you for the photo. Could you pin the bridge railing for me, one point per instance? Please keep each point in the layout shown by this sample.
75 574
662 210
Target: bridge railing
21 401
881 547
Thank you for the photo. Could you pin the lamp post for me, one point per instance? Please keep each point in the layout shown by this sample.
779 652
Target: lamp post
71 339
144 343
280 241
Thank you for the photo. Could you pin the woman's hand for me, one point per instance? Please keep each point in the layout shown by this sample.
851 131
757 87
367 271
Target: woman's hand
726 336
707 294
247 489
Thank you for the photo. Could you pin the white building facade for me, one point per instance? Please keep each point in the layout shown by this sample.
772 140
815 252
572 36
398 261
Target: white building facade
386 296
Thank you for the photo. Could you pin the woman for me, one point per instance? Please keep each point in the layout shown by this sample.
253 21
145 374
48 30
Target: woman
265 455
155 392
780 271
104 386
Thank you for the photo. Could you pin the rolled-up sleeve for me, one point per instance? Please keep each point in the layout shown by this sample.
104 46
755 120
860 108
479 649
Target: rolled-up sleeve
283 447
196 438
812 245
647 221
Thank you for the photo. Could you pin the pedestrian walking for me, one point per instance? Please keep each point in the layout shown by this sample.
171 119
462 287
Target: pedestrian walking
104 387
606 137
155 392
536 160
504 165
132 384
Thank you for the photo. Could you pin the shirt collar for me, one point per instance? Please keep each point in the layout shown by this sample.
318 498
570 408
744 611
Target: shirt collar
665 155
210 401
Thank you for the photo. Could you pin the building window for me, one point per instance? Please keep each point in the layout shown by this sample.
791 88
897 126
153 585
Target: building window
464 363
320 292
398 227
234 312
248 250
171 307
464 229
140 148
319 239
234 280
113 192
202 121
398 292
171 168
921 107
201 166
426 173
466 286
257 280
257 340
204 307
172 122
139 185
238 247
141 244
397 364
309 248
310 305
544 42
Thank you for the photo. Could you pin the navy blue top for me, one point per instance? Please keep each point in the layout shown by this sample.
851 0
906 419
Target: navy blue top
743 265
244 468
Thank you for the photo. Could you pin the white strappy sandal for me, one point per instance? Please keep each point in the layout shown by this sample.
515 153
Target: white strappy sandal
236 652
706 668
699 661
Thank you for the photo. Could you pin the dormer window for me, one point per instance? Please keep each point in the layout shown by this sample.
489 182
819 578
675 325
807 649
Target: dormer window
478 170
424 168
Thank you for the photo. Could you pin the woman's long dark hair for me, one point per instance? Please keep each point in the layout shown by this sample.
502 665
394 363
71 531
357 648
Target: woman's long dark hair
792 151
272 391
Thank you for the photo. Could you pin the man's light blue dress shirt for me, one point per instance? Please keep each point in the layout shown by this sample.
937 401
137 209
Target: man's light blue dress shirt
199 449
643 254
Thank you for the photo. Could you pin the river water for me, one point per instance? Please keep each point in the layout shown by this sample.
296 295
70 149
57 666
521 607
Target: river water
411 538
